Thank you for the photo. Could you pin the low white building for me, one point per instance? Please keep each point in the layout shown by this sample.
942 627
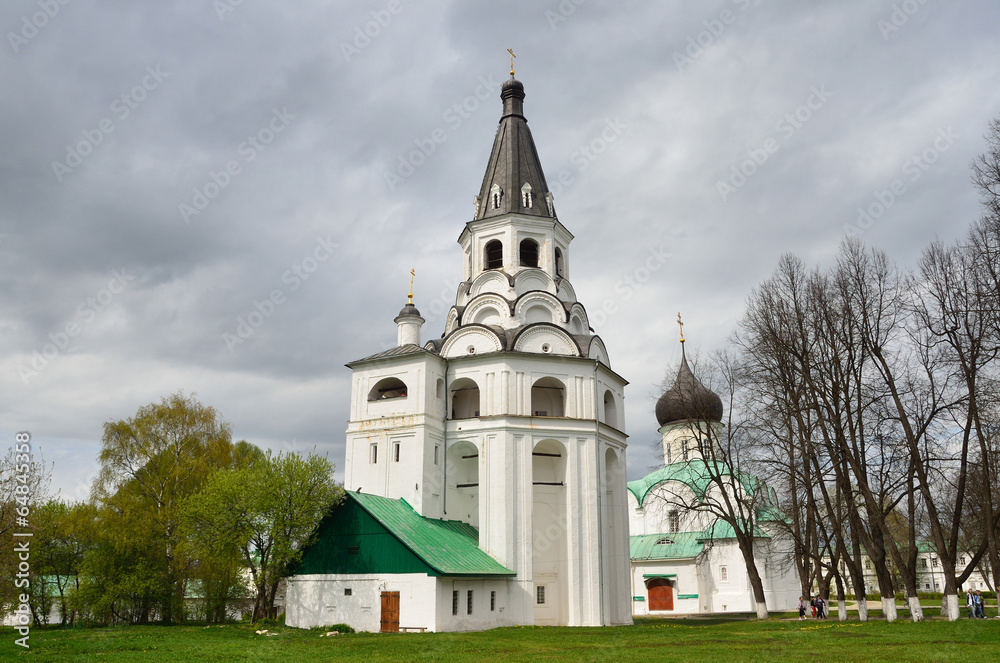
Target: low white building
684 559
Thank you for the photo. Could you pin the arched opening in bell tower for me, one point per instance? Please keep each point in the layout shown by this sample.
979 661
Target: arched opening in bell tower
610 410
548 398
549 525
529 253
463 483
464 399
494 254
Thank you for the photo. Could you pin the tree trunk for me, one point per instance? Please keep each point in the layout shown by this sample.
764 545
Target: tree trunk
889 608
949 606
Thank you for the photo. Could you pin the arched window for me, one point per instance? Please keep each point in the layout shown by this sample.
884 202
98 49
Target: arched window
548 398
610 410
494 254
529 253
387 388
527 200
559 263
464 399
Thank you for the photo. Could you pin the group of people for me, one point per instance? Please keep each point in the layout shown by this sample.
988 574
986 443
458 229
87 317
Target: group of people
818 605
976 604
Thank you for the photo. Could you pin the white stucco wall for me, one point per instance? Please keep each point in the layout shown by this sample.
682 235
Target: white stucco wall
319 600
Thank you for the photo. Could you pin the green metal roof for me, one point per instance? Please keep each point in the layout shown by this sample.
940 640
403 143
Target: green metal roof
686 545
659 575
450 547
694 474
720 530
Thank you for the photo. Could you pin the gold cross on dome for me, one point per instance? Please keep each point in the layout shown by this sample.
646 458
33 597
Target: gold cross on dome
512 56
413 272
680 323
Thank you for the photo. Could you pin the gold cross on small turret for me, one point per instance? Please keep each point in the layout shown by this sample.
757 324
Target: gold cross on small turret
680 323
512 56
409 300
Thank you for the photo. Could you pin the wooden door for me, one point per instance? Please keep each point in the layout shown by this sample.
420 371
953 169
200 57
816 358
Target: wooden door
390 612
661 595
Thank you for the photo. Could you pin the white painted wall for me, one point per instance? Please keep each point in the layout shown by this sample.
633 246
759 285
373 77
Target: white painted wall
319 600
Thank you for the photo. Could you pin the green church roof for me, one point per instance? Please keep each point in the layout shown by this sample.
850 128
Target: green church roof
694 474
450 547
683 545
372 534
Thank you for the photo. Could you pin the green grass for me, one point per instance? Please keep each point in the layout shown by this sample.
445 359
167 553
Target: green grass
700 640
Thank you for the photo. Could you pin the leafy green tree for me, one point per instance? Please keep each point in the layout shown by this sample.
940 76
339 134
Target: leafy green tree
150 464
63 534
263 514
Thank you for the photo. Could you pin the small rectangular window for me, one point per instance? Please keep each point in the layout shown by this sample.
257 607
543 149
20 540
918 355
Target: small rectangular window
395 452
373 454
674 521
436 448
347 591
353 550
454 602
540 594
724 573
493 601
468 603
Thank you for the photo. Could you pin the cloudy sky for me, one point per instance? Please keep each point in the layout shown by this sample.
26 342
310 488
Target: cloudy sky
169 168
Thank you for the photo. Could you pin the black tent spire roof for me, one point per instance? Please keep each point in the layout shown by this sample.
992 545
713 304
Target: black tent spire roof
514 181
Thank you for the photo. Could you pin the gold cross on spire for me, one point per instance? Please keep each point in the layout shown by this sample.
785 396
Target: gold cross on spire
409 300
512 56
681 325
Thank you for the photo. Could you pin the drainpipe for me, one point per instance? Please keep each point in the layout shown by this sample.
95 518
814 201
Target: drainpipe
600 519
444 441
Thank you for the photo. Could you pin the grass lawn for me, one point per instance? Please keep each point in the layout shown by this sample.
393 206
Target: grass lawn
701 640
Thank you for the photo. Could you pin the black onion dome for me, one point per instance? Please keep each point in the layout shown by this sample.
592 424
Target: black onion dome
688 400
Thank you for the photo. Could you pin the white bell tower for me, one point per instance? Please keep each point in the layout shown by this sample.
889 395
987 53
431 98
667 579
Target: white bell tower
512 420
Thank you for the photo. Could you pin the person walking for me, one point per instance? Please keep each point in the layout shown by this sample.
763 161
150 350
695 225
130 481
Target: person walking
812 604
970 603
980 608
802 608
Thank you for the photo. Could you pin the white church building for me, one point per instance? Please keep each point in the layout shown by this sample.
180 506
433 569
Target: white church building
684 558
485 469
